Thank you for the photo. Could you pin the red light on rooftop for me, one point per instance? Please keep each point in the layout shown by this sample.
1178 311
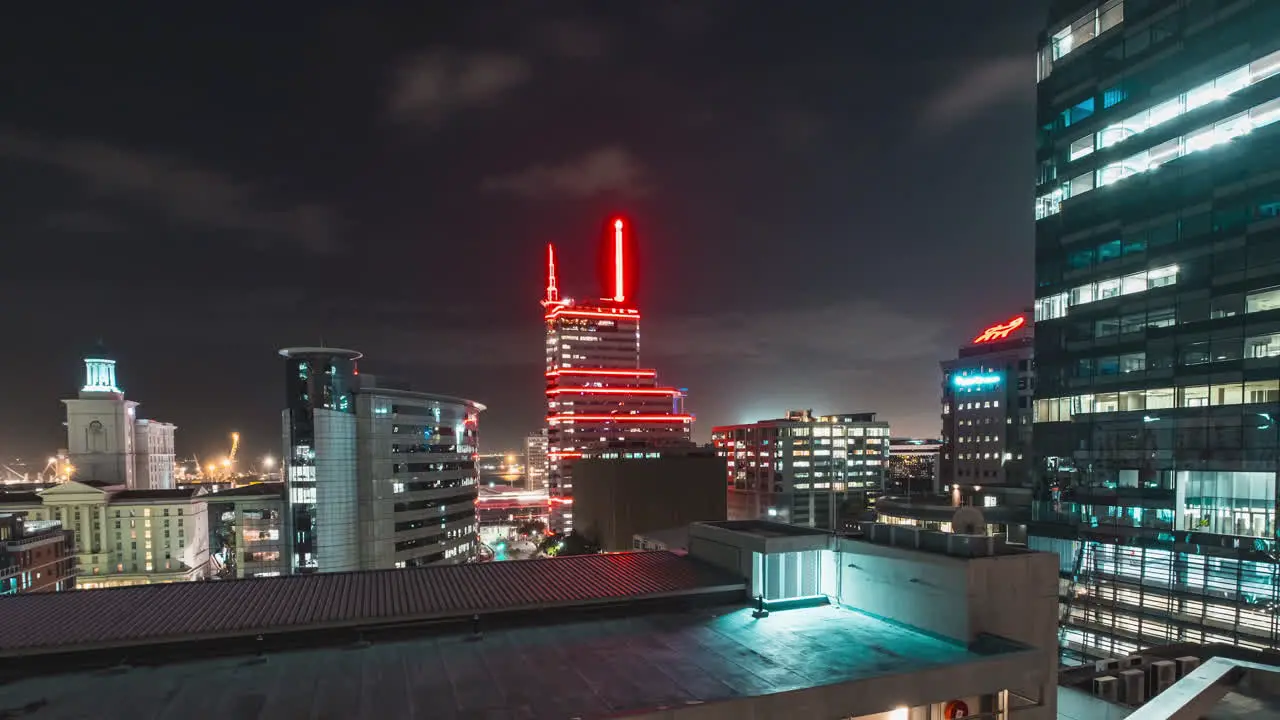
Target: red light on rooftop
602 372
618 263
669 392
640 418
1001 331
561 310
619 291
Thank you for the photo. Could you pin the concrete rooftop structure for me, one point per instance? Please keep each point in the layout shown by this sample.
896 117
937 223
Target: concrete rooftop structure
646 665
855 629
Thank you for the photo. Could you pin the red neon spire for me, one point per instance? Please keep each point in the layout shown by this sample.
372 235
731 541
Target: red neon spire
553 293
619 263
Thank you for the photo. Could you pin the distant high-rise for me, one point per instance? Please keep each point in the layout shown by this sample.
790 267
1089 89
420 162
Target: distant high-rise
804 469
597 392
986 415
535 460
1157 343
320 458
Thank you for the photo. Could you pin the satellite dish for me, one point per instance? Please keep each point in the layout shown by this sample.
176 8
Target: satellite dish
968 520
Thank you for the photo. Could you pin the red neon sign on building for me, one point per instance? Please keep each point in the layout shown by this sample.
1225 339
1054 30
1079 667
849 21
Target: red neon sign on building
1001 331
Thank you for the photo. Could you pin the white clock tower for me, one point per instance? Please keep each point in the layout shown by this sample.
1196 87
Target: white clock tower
100 425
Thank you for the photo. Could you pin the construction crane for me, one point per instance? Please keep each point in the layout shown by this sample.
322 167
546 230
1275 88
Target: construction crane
235 448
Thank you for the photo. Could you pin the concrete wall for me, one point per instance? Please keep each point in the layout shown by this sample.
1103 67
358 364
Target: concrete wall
919 589
1012 596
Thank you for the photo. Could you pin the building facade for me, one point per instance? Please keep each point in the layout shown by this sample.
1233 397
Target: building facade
154 459
913 465
987 411
107 442
35 556
417 476
1158 320
535 460
124 537
804 469
597 392
319 451
379 476
623 491
247 532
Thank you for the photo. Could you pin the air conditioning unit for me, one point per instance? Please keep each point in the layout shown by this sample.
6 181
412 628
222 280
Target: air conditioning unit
1104 666
1186 664
1107 687
1162 674
1133 687
1133 661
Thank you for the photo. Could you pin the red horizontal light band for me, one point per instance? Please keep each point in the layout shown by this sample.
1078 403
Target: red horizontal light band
621 418
562 501
669 392
627 315
598 371
563 455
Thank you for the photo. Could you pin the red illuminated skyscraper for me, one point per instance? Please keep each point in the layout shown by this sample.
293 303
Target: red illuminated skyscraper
597 393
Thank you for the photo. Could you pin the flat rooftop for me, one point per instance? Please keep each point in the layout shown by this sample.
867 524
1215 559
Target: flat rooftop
327 604
763 528
587 667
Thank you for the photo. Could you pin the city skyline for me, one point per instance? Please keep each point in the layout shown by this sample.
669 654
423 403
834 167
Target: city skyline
196 237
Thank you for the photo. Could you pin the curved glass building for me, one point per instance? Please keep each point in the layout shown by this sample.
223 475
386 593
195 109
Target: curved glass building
378 476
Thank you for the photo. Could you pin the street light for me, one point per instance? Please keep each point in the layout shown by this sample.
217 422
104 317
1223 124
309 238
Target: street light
268 462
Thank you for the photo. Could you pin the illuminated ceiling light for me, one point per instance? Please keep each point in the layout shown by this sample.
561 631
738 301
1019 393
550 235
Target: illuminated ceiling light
1000 331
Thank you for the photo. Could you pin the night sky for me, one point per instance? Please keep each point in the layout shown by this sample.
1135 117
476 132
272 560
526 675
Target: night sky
830 197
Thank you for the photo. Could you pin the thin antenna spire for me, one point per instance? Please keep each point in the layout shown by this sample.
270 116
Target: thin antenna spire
553 292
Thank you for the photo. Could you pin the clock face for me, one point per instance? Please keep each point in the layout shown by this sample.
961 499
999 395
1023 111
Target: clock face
95 426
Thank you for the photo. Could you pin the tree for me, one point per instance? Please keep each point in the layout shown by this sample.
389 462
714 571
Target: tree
562 545
532 528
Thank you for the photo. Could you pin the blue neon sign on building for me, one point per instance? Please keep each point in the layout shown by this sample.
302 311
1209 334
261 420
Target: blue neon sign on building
976 382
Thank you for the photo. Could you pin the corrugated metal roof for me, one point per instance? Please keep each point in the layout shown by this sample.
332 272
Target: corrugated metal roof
151 613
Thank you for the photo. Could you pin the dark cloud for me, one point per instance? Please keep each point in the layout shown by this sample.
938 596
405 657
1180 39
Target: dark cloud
610 169
979 88
575 39
803 241
174 187
429 87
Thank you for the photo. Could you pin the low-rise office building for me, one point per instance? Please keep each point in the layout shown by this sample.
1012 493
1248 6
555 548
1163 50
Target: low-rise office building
913 465
125 537
246 532
35 556
806 469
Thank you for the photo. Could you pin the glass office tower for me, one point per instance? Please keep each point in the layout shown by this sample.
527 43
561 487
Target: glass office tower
319 439
1158 320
